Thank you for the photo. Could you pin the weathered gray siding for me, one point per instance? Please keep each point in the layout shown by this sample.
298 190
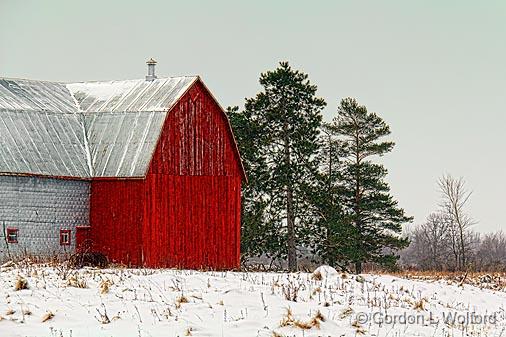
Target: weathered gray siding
39 208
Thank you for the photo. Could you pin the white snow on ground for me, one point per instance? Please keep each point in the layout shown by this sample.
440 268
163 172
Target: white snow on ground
142 302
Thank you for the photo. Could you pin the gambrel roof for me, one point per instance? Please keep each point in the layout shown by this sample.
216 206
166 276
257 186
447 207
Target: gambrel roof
84 130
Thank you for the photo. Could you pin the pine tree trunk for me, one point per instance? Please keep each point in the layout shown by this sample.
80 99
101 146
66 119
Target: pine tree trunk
358 200
290 221
292 250
328 252
358 267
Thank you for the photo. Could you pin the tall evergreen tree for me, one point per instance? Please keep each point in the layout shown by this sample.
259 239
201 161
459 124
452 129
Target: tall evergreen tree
257 236
330 233
286 117
373 216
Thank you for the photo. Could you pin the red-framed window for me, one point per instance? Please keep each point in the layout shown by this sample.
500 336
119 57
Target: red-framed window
65 237
12 235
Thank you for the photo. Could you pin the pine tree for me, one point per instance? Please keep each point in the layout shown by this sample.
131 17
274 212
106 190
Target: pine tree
373 217
286 116
330 233
257 237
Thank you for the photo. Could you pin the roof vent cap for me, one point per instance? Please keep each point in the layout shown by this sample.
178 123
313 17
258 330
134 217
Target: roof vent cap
151 70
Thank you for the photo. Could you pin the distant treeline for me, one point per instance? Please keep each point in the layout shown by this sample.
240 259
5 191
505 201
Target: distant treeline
446 240
487 252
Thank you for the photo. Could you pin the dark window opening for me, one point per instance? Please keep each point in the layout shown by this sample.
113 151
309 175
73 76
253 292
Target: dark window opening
12 235
65 237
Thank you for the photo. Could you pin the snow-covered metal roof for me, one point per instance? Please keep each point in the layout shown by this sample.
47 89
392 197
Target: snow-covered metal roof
121 144
83 130
42 142
129 96
28 95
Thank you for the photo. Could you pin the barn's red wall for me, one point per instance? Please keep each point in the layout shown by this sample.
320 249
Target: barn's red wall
116 215
186 212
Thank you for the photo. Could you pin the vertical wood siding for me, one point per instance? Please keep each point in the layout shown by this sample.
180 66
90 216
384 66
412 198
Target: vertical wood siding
116 213
186 212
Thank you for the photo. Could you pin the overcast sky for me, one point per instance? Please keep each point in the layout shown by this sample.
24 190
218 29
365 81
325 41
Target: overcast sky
435 72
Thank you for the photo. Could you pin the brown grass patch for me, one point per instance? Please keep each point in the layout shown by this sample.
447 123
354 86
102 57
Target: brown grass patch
314 322
419 305
317 276
76 282
21 283
358 328
180 300
47 316
105 286
492 280
346 312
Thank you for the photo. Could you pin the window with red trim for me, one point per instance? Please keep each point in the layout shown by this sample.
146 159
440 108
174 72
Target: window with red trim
12 235
65 237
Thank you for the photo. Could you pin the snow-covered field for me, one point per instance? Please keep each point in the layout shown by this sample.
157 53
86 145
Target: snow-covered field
142 302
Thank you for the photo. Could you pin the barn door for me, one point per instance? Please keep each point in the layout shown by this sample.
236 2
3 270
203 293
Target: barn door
83 239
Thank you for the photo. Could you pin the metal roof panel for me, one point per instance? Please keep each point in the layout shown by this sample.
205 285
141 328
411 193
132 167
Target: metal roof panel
83 130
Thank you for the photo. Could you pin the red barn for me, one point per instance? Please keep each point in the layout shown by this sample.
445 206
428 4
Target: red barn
164 173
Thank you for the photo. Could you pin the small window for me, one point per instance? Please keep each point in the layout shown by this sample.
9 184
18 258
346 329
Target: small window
12 235
65 237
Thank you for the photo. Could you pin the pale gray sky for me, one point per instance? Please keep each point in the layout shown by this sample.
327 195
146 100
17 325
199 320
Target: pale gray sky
435 72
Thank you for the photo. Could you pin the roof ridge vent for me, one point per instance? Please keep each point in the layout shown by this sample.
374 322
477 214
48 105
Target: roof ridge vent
151 70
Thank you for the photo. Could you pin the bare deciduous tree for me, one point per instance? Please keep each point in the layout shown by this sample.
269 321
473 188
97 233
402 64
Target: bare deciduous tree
436 232
455 197
429 248
486 252
491 252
